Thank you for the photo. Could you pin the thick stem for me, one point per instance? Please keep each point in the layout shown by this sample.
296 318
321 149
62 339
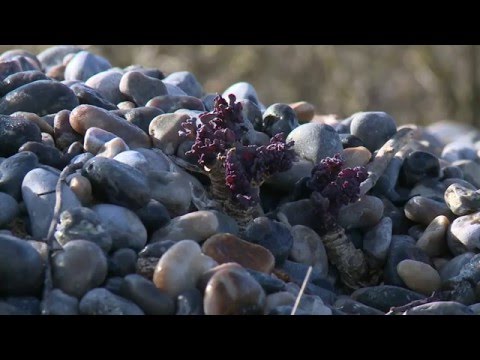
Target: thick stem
351 263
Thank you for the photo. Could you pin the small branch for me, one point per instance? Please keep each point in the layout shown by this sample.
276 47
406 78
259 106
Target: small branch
436 296
48 284
302 289
379 164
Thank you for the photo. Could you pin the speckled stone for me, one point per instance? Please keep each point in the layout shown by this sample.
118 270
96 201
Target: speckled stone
10 209
14 132
464 234
461 200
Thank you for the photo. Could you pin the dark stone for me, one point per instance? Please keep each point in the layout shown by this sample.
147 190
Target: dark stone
140 88
46 155
373 128
186 81
383 297
100 301
279 118
350 141
54 55
122 262
141 116
118 183
269 284
16 80
13 170
154 215
190 302
89 96
114 285
272 235
156 249
352 307
27 305
297 272
440 308
14 132
59 303
172 103
9 67
419 165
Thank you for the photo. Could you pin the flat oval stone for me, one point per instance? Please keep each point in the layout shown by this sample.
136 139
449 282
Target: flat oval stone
60 303
171 103
84 117
21 267
38 191
46 155
233 291
352 307
144 293
308 249
80 267
464 234
419 165
440 308
140 88
364 213
272 235
82 223
100 301
41 97
461 200
355 156
54 55
16 80
118 183
107 83
418 276
84 65
314 142
186 81
224 248
9 67
374 128
433 240
90 96
383 297
376 241
125 228
197 226
11 54
14 132
181 267
42 124
63 132
286 180
9 208
279 118
423 210
13 170
471 171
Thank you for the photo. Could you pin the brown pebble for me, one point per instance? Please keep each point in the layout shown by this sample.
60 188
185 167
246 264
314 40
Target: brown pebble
433 239
356 156
304 111
82 188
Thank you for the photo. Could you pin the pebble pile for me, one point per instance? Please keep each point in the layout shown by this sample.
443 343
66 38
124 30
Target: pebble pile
130 240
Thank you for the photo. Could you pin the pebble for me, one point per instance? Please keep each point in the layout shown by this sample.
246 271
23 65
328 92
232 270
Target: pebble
364 213
16 80
452 172
152 72
464 234
40 207
122 262
225 248
172 190
156 250
376 241
242 91
197 226
462 200
174 90
279 118
154 215
471 171
402 248
250 111
50 97
21 267
475 308
81 187
455 151
279 299
313 305
95 138
430 188
84 117
84 65
233 291
125 228
355 156
47 155
190 302
272 235
186 81
89 96
286 180
13 170
117 183
112 148
373 128
107 83
60 303
63 132
440 308
269 283
9 67
24 305
144 293
42 124
14 132
9 209
313 142
297 272
433 239
100 301
142 116
10 54
171 103
114 284
303 110
164 129
453 267
181 267
383 297
418 276
423 210
54 55
300 212
79 267
308 249
140 88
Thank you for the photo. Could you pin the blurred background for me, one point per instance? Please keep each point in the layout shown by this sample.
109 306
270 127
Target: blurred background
414 83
